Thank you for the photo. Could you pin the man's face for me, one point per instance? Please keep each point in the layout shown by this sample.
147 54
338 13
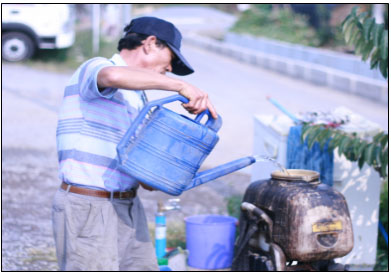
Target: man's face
159 59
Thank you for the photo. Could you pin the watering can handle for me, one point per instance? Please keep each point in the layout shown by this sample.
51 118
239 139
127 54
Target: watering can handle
214 124
124 143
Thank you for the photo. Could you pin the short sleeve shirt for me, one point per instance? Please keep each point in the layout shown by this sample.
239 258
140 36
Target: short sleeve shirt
90 125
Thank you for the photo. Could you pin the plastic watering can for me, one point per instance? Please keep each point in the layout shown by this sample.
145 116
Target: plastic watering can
166 149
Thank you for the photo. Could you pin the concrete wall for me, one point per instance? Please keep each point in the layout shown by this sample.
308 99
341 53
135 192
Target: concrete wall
339 61
345 81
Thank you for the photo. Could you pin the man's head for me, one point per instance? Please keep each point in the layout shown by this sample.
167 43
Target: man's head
156 34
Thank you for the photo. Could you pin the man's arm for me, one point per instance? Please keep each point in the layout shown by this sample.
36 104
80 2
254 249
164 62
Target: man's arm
141 79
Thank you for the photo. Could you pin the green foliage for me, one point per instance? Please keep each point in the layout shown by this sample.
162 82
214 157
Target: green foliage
325 32
382 248
176 235
374 153
233 205
369 39
282 24
263 7
233 209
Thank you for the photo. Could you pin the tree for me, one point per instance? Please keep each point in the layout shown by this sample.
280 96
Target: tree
369 39
373 152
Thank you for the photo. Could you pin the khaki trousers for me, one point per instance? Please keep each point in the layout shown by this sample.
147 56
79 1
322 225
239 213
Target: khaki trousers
99 234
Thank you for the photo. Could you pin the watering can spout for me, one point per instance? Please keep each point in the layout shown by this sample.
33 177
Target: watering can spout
208 175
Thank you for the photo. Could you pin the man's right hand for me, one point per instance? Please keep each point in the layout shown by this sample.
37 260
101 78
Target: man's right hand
198 100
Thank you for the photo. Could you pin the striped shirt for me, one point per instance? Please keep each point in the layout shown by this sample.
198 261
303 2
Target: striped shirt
90 125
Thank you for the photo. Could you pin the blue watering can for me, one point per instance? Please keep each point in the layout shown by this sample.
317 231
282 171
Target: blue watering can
166 149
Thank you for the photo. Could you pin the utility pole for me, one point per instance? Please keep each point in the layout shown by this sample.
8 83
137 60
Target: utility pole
126 13
378 13
95 28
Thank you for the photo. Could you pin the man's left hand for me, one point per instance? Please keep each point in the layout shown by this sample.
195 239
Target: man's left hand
146 187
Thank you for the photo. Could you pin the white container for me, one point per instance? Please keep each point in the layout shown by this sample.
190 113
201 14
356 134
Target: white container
270 139
361 188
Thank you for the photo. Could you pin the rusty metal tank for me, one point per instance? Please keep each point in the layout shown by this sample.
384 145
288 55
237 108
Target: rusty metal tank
310 220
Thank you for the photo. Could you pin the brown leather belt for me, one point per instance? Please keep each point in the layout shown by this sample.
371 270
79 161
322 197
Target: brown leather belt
90 192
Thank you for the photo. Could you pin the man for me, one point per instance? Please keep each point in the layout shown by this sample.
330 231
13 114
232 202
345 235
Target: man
98 220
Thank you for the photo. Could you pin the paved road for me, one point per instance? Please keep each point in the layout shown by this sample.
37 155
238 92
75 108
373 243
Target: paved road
30 100
200 19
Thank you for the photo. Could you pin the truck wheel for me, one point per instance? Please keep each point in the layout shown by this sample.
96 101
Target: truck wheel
16 46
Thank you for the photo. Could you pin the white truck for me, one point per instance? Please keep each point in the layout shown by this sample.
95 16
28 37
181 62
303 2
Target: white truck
28 27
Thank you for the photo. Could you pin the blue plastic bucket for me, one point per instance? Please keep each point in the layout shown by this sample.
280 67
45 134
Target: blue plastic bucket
210 241
164 268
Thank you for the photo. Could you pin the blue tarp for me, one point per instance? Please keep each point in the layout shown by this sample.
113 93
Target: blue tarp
299 156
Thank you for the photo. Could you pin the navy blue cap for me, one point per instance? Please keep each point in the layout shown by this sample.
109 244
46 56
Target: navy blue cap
166 32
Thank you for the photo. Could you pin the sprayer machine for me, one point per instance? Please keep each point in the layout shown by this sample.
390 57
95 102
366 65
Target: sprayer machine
292 222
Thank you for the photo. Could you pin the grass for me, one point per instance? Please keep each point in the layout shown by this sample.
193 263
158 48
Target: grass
282 25
63 60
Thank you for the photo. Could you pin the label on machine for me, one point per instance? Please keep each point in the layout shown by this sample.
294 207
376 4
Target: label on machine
326 226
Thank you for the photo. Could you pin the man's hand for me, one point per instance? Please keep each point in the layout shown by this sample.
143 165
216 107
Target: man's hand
198 100
146 187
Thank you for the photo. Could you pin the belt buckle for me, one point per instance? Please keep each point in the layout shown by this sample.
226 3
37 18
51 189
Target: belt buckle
120 195
129 194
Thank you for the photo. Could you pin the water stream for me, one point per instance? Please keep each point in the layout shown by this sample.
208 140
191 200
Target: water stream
263 158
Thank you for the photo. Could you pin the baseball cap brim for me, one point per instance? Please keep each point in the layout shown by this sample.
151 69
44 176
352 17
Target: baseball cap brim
180 66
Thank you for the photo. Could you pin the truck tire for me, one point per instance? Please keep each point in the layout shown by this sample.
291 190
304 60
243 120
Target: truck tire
16 46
